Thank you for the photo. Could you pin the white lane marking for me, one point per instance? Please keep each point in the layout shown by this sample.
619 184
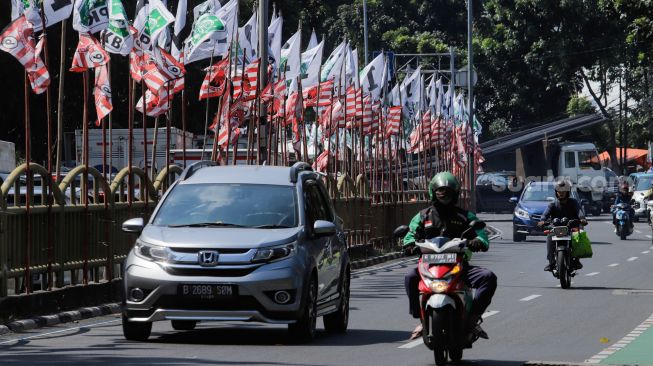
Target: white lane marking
60 331
613 265
592 274
649 236
623 342
419 341
529 298
638 232
376 269
413 344
631 259
645 252
489 313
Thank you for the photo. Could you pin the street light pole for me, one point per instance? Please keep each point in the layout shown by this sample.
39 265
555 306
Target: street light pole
365 28
470 105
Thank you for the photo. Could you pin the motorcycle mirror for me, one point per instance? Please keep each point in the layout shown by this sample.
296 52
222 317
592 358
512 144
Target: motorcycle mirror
477 225
401 231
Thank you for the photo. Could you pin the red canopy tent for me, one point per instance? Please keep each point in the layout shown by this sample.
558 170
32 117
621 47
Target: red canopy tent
633 157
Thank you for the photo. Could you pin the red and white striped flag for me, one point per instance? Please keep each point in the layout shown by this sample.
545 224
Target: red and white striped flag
155 104
251 80
294 113
102 94
17 39
215 80
310 94
89 54
425 130
437 131
393 121
136 64
354 107
322 161
161 71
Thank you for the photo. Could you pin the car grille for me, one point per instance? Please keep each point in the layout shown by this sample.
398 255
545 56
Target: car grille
536 217
221 250
211 272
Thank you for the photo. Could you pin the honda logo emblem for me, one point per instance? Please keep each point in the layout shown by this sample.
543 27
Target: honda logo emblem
208 258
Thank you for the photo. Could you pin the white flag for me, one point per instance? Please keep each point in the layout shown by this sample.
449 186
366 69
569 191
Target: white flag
310 68
274 39
410 93
248 38
312 42
117 38
90 16
372 77
291 57
333 64
150 22
54 11
181 30
209 34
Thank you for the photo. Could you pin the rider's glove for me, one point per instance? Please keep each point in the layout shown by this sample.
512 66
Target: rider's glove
476 245
411 249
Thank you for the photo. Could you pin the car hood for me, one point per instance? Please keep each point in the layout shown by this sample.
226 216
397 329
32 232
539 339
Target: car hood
533 207
218 237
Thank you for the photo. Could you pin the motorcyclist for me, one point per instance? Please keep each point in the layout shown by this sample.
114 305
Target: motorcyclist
563 206
647 197
624 196
444 218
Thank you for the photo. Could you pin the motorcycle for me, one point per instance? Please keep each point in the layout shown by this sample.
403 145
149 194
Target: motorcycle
622 220
444 297
560 232
649 205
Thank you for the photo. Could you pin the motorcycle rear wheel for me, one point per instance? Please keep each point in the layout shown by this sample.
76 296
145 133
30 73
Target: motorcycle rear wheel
456 355
563 270
621 230
439 331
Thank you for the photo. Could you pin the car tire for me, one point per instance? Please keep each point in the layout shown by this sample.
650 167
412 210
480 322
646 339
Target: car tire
303 331
337 322
183 324
517 237
135 331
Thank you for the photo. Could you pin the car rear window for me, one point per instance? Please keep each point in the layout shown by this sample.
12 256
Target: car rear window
248 205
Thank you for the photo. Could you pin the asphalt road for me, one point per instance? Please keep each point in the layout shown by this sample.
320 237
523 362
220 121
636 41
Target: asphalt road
530 318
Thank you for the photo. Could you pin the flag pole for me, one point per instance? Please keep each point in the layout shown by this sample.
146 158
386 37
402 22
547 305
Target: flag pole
206 118
84 195
155 139
27 281
144 185
62 57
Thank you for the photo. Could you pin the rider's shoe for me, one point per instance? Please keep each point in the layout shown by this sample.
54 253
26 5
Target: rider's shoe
549 267
576 263
417 332
475 331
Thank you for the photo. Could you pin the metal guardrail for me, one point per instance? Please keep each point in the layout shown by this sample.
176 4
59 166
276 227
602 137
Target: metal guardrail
77 238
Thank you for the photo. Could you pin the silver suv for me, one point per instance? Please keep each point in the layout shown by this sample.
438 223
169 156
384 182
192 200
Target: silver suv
239 243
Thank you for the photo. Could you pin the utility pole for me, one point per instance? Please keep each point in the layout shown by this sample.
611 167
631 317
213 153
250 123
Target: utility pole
262 18
365 28
470 105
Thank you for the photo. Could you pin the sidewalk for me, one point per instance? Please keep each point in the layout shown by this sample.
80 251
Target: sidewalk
633 349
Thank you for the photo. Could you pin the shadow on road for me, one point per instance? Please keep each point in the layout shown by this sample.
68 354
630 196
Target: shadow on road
491 363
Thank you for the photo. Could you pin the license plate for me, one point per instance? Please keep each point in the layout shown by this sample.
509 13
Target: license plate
206 292
440 258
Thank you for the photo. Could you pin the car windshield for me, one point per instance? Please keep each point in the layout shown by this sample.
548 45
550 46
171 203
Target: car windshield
644 183
589 160
538 192
229 205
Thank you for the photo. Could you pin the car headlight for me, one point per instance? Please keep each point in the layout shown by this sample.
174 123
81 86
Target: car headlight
521 213
269 254
152 252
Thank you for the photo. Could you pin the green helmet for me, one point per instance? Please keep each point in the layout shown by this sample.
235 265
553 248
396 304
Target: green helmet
444 179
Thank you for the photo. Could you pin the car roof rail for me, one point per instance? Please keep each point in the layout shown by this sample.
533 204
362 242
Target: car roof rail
191 169
297 168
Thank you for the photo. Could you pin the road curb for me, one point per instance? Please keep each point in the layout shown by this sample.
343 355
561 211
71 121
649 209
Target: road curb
63 317
375 260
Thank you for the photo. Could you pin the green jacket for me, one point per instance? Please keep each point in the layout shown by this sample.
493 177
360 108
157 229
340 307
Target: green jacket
417 229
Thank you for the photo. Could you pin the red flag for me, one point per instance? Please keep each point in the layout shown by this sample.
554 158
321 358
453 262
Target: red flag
310 94
322 161
393 121
17 39
102 94
215 80
354 107
89 54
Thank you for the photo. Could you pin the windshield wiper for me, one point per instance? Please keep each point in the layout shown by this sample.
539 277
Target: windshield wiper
207 224
271 227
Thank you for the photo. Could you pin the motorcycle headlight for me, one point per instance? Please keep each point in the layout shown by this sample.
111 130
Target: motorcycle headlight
269 254
152 252
439 286
521 213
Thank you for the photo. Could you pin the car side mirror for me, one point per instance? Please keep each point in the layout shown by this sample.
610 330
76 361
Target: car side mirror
477 225
401 231
324 228
513 200
584 202
133 226
550 199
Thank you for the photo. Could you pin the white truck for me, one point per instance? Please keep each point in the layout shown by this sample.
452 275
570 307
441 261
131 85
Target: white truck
7 157
117 155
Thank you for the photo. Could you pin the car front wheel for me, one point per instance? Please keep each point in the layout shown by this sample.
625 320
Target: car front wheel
303 330
135 331
337 322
